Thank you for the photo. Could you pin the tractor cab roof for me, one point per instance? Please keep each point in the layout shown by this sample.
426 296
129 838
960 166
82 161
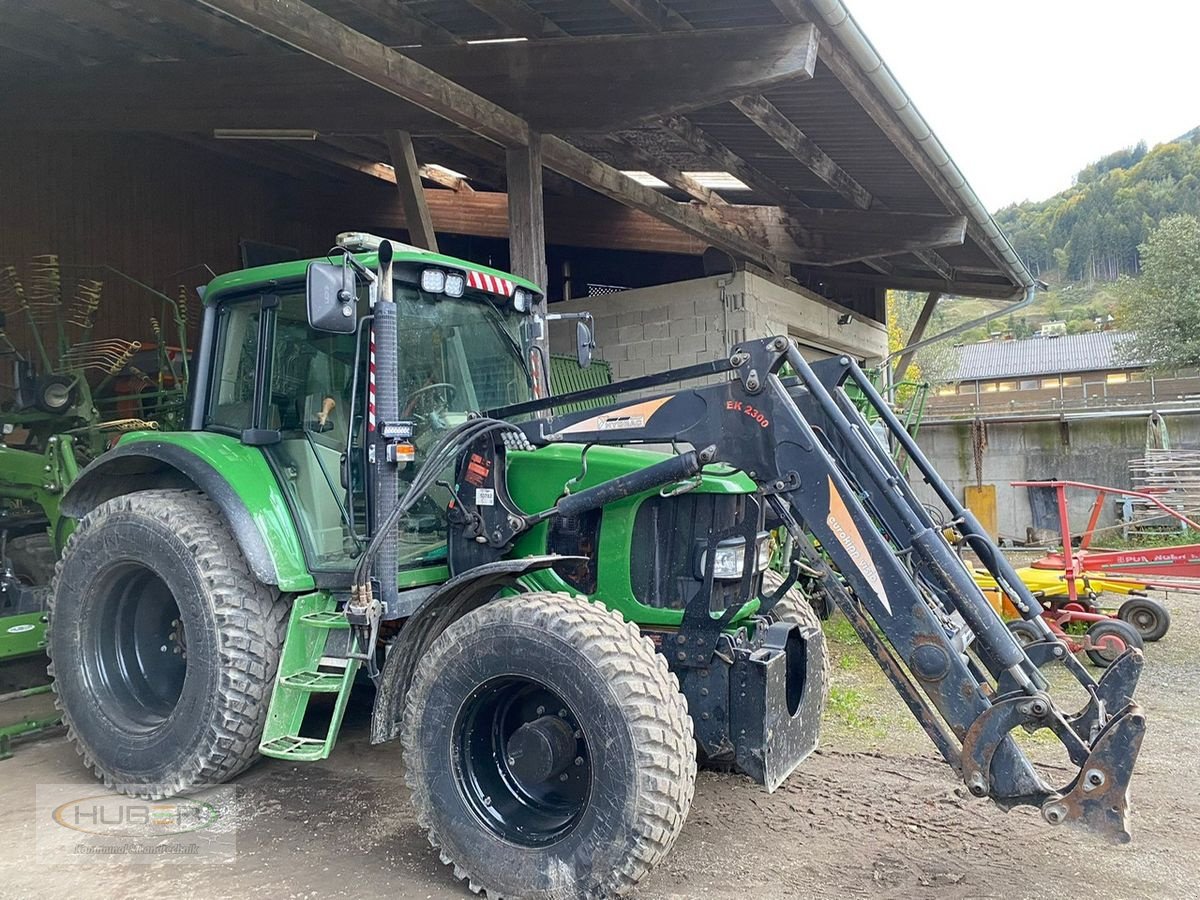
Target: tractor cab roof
294 270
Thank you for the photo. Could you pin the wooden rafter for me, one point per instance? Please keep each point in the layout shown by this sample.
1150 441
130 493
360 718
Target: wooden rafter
775 124
205 25
445 179
522 18
409 26
307 29
935 262
865 94
652 15
557 86
412 192
726 160
152 40
659 168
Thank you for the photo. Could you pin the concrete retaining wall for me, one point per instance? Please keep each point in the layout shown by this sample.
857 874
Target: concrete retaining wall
1094 450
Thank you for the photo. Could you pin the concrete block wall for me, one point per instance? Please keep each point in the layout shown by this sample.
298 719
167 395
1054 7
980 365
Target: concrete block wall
649 330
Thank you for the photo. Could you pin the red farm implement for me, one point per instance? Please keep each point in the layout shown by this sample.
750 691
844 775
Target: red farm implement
1084 572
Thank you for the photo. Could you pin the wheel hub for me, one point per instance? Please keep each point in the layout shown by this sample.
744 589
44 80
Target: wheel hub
540 750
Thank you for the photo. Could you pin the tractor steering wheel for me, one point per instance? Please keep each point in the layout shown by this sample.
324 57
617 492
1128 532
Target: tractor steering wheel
449 392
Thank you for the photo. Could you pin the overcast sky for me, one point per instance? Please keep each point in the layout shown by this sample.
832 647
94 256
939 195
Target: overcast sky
1025 93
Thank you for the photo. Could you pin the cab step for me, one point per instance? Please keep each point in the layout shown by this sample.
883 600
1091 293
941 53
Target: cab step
313 662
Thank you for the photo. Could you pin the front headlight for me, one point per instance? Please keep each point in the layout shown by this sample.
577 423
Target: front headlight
730 556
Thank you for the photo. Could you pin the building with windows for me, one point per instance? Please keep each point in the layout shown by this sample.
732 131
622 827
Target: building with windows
1055 375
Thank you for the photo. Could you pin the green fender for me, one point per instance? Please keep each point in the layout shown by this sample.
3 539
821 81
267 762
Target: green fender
234 476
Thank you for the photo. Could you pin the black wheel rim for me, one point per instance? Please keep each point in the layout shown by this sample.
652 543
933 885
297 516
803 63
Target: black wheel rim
531 809
135 654
1144 619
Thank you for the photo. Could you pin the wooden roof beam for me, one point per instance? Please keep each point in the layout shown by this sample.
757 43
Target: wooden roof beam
726 160
331 41
697 221
299 25
767 117
443 178
412 192
519 16
834 237
149 39
409 26
653 15
656 166
935 262
494 160
206 26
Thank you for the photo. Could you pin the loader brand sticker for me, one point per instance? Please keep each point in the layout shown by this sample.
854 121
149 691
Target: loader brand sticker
635 416
21 629
844 529
746 409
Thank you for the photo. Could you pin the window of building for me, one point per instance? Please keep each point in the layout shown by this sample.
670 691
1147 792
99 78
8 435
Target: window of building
1049 383
1029 385
1006 385
1116 378
987 387
1072 381
947 390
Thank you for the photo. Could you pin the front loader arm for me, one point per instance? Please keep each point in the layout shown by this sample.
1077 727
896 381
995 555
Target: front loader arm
886 563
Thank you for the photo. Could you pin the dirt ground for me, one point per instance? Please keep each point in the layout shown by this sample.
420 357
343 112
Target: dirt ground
873 814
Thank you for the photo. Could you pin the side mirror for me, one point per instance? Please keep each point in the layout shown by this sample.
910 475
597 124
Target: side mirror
331 303
585 342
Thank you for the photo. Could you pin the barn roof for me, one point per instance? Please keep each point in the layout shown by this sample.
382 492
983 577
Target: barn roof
1090 352
834 172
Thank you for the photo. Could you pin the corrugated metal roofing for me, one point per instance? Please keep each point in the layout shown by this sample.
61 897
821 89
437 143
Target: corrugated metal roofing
1090 352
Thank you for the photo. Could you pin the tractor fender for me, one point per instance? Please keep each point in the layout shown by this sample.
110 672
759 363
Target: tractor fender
450 602
147 465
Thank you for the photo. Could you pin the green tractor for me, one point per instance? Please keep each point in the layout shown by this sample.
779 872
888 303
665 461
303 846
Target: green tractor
372 486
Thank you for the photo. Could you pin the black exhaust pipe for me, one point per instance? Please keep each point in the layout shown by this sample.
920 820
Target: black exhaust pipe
385 381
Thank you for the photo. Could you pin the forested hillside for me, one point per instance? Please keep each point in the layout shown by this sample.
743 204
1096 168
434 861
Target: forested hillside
1091 231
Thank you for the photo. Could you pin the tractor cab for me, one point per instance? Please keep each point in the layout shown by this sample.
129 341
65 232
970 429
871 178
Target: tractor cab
281 378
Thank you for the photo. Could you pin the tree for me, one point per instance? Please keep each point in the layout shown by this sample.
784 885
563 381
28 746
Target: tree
1161 309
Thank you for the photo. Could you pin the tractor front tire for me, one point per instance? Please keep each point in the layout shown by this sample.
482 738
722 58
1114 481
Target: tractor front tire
548 749
163 646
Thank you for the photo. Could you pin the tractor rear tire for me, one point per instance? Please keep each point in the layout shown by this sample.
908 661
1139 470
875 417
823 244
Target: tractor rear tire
163 645
548 749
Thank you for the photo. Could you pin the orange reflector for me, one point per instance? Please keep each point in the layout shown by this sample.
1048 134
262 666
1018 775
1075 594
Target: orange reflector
405 452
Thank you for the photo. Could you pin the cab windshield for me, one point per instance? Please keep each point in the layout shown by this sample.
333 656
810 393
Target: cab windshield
455 356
